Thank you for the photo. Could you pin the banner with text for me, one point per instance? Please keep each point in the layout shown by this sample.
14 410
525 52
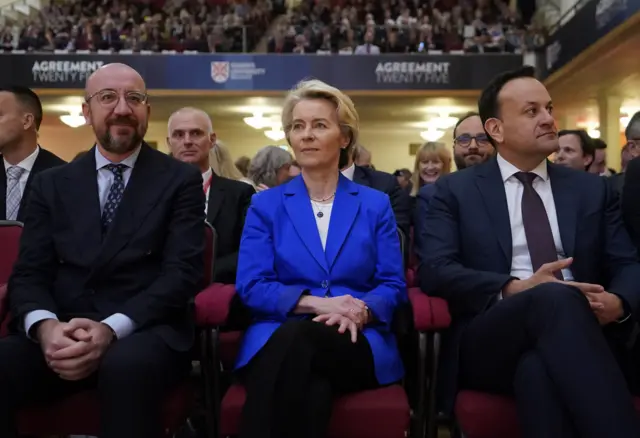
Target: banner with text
265 72
591 22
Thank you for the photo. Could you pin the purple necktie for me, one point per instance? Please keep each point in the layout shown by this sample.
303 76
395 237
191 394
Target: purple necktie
537 229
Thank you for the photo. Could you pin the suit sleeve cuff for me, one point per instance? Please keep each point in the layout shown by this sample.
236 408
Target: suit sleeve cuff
121 325
288 300
34 317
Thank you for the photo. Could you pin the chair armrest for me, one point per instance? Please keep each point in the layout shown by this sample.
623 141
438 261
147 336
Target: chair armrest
429 313
213 305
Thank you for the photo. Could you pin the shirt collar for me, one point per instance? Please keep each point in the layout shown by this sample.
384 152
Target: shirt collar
207 175
27 163
349 171
507 170
130 161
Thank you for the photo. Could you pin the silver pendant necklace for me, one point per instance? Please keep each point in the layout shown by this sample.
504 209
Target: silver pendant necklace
315 202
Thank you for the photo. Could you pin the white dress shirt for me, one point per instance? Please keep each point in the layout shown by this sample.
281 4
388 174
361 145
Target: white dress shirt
349 171
521 266
121 324
27 165
205 179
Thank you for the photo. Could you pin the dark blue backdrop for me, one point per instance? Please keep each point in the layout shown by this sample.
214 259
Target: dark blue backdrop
266 72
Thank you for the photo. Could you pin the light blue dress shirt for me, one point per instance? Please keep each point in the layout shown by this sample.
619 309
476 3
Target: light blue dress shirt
121 324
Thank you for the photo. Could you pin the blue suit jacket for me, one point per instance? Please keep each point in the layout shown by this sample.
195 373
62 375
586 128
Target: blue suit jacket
281 256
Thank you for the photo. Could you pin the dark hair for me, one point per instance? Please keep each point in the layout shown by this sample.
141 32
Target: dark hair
27 98
635 120
462 119
488 105
599 144
586 143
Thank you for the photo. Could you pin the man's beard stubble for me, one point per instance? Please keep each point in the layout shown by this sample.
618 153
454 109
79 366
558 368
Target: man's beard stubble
124 145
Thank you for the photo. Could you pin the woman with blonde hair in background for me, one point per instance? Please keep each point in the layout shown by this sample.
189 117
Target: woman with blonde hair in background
320 270
432 161
222 163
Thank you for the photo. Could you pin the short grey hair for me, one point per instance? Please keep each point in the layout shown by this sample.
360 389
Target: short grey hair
265 165
191 110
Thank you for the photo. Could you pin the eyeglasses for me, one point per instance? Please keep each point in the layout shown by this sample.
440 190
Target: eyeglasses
464 140
110 98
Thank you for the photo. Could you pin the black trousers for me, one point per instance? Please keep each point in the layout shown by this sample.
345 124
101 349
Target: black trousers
545 346
134 376
292 381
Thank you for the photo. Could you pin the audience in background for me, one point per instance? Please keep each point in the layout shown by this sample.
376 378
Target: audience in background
242 164
270 167
399 27
171 25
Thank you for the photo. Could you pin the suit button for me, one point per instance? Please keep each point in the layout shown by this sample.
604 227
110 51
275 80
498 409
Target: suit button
324 284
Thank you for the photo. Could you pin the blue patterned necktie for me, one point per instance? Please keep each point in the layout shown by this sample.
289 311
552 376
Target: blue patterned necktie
115 195
13 192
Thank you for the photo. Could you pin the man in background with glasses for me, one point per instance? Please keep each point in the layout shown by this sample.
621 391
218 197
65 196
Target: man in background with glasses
111 254
471 146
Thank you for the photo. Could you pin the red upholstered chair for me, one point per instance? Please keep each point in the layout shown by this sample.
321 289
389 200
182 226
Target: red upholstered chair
379 413
483 415
10 232
79 413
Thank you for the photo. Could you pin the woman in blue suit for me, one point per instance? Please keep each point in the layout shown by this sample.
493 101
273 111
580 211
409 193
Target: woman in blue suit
320 269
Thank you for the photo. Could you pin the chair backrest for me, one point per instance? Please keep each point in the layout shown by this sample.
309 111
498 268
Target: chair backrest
210 245
10 232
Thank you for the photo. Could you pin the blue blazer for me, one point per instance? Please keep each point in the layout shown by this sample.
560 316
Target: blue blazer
281 255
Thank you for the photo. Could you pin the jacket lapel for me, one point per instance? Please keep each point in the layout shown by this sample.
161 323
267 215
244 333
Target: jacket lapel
566 202
298 207
143 190
346 204
81 200
491 186
216 198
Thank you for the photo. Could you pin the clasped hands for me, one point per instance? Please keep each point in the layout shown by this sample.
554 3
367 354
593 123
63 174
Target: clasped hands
345 311
606 306
73 349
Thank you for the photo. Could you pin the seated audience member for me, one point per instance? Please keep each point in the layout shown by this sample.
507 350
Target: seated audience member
471 146
242 164
629 151
362 156
22 157
404 179
111 254
384 182
191 138
322 288
631 181
270 167
222 164
432 161
599 165
539 274
576 151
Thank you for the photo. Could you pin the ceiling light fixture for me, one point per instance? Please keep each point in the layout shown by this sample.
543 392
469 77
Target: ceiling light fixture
443 121
257 121
431 134
73 120
594 133
275 134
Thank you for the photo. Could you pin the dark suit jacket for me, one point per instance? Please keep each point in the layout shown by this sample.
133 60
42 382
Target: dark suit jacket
631 200
148 266
387 183
228 204
467 247
44 160
420 210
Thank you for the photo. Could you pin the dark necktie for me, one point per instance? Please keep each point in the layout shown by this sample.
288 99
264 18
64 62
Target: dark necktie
537 228
115 195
